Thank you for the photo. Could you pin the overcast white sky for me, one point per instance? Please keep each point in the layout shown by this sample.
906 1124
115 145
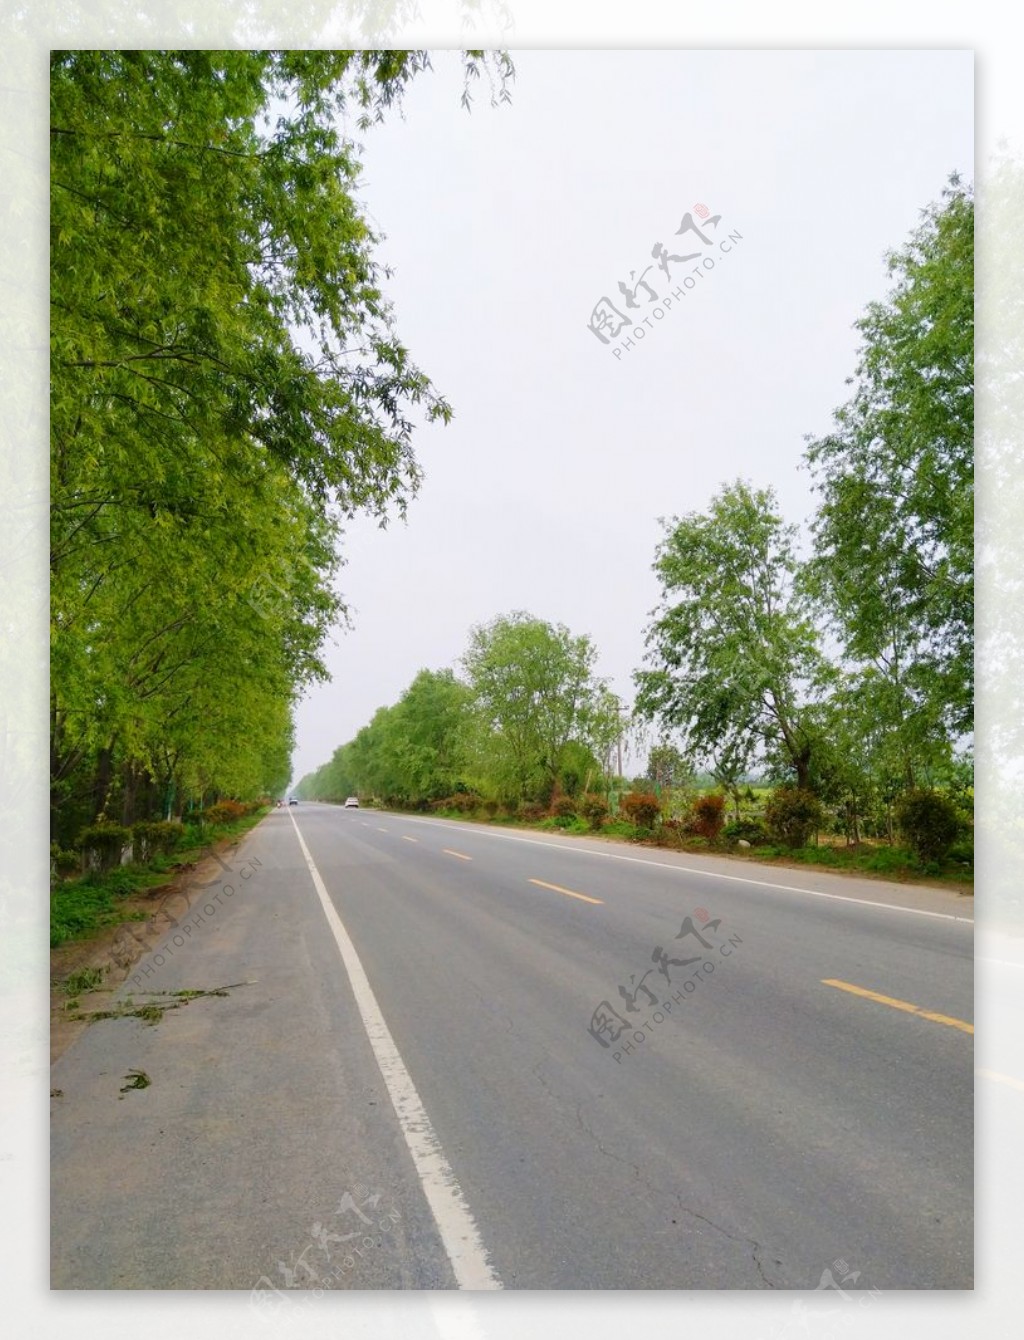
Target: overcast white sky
507 225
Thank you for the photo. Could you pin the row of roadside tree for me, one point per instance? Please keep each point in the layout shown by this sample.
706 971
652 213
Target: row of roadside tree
227 389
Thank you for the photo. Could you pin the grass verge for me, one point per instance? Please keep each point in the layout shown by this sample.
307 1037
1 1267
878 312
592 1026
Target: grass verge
80 906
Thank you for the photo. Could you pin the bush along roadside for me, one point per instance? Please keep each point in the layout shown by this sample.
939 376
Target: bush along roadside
90 886
787 826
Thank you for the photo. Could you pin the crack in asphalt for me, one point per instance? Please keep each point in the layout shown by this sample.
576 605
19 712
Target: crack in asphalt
733 1237
756 1247
608 1153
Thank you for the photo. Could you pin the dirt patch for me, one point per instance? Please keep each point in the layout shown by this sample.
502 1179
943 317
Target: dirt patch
112 951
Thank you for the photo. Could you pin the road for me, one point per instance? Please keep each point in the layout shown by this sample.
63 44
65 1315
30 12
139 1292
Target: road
424 1074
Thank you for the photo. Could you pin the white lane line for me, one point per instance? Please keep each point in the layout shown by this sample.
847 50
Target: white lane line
455 1222
710 874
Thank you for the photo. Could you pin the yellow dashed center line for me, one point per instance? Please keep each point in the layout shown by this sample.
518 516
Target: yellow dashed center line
459 854
895 1004
583 897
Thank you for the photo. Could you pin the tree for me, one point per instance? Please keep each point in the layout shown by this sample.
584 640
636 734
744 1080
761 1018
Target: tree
534 686
732 650
412 751
227 386
894 532
430 718
728 766
533 718
666 766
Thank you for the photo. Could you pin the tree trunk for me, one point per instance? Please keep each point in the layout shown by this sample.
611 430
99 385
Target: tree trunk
103 779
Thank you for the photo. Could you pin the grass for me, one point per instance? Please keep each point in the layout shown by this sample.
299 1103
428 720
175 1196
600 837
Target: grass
895 863
87 979
81 906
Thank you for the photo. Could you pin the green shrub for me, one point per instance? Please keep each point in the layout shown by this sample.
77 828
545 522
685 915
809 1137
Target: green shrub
793 815
563 822
63 862
641 808
531 811
929 823
564 807
621 828
102 844
745 830
707 816
152 839
192 834
962 852
594 809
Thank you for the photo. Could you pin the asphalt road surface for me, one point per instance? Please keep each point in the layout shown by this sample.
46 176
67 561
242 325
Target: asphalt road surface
450 1056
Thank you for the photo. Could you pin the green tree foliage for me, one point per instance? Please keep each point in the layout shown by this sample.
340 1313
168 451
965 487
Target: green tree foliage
667 766
929 821
732 651
528 722
793 815
894 531
535 690
415 749
227 387
410 752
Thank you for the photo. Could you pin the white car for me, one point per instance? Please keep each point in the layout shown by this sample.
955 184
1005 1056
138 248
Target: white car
352 803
